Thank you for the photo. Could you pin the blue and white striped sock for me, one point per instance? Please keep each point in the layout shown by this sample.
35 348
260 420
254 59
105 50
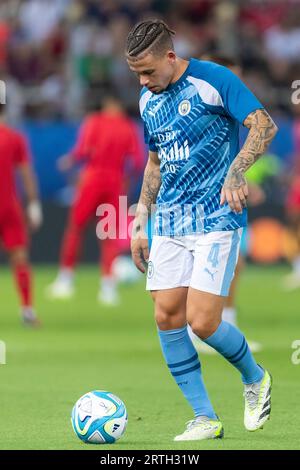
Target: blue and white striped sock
183 362
231 343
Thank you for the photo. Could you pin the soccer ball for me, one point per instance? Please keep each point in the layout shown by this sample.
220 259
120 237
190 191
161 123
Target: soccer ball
99 417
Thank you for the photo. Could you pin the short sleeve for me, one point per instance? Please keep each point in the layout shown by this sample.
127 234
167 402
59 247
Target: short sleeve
144 98
136 149
21 154
238 100
83 146
149 140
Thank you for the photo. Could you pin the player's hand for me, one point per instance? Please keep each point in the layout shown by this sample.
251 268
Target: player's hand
140 250
235 194
65 163
35 215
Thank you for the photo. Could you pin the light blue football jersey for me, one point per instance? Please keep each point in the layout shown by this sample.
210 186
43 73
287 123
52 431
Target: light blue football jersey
193 125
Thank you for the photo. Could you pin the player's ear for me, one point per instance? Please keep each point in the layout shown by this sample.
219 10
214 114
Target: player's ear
171 56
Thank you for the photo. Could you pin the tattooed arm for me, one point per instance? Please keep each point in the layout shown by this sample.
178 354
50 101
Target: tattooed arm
150 188
262 131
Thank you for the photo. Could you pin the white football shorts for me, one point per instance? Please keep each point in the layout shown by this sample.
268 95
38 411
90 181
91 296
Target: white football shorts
204 262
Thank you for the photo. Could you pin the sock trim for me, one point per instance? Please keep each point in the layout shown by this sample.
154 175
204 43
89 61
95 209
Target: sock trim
233 356
186 371
241 356
183 363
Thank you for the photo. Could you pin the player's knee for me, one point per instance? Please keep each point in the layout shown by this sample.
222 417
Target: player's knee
170 309
162 319
204 325
168 318
204 330
75 226
18 256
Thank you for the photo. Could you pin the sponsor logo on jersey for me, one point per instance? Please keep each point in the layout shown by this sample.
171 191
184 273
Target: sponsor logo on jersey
176 152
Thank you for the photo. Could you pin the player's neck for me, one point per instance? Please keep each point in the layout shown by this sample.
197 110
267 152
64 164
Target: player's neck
112 110
180 67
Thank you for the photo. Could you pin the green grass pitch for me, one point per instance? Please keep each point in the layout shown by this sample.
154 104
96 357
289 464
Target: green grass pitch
83 346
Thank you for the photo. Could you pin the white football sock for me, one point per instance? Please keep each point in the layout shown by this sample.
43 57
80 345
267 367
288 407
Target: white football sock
296 265
65 275
28 313
108 284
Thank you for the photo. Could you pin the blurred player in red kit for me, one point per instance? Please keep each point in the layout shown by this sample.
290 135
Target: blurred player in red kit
14 155
292 280
107 142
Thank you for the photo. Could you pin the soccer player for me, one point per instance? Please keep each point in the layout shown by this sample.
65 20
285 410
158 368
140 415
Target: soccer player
195 174
107 141
14 155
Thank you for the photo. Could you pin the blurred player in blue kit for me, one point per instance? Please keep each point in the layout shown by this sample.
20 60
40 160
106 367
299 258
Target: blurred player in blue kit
196 177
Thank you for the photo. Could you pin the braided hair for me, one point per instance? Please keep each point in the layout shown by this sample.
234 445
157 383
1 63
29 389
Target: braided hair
154 35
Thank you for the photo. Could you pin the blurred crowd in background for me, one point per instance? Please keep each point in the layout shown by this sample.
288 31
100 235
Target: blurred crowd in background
57 58
56 55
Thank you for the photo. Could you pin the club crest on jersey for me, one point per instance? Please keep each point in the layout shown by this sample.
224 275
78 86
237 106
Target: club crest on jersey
184 107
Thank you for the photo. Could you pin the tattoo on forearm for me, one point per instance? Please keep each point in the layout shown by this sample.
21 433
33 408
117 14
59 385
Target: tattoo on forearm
150 188
262 130
137 229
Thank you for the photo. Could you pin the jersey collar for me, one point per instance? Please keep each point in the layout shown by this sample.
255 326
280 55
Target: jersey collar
180 79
